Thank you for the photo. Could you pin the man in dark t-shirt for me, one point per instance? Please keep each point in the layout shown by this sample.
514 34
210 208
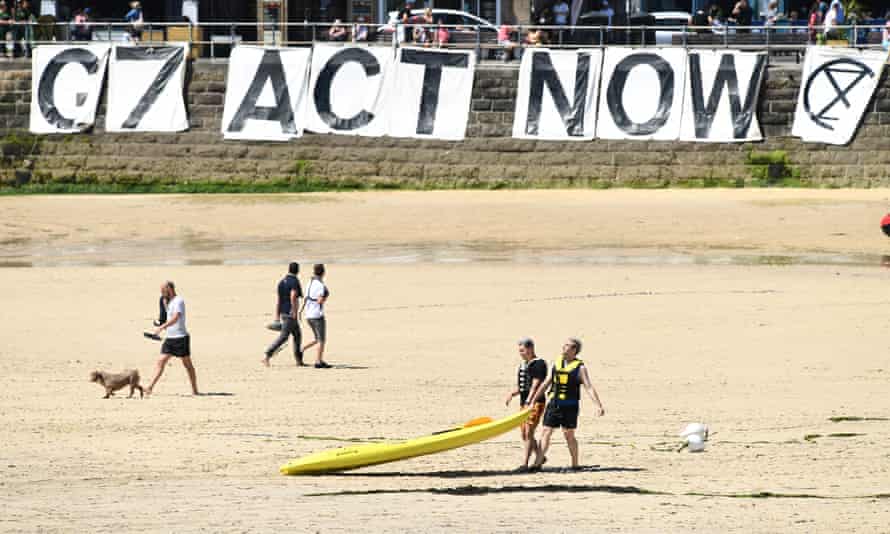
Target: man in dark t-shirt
404 17
287 309
531 374
743 16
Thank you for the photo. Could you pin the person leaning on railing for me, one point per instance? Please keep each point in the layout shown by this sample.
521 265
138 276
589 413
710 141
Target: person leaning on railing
885 36
23 31
82 30
6 28
337 32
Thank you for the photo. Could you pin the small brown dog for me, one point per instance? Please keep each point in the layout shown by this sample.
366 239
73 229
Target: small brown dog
115 381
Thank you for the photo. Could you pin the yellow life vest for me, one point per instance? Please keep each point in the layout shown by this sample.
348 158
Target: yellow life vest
566 387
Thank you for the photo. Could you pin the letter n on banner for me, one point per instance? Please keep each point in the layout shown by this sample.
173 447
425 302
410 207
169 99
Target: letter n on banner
557 94
348 90
145 89
721 96
430 96
641 96
266 93
66 82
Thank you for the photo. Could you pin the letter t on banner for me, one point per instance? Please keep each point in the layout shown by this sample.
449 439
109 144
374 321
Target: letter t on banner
430 98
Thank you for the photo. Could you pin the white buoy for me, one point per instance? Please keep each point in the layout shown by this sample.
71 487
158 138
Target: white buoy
695 443
695 429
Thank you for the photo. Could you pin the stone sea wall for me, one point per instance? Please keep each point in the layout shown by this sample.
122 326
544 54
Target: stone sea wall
489 157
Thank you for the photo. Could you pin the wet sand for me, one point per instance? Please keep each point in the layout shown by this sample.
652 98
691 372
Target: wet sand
761 313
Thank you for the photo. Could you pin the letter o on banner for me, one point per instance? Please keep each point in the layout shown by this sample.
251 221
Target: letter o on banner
615 93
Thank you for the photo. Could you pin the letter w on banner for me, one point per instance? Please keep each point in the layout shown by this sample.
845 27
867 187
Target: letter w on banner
145 89
721 96
642 93
348 90
836 86
266 93
557 94
430 97
66 83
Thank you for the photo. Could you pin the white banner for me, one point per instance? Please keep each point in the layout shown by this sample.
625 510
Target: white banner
641 96
266 93
66 82
145 89
348 89
836 86
557 94
722 91
430 96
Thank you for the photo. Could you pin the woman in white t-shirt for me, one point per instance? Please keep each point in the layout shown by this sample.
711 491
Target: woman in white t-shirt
313 305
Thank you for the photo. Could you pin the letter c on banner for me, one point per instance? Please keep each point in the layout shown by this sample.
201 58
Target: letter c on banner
615 92
322 91
45 90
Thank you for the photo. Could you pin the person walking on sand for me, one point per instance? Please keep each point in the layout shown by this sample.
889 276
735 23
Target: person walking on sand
532 373
287 306
568 375
316 296
177 343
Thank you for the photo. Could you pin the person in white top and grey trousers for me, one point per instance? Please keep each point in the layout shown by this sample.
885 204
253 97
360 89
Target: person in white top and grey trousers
316 296
177 343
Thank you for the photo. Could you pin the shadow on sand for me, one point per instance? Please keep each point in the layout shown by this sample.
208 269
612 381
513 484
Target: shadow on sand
486 472
472 490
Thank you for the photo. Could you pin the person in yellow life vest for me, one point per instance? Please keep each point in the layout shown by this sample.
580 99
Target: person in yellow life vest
532 372
565 381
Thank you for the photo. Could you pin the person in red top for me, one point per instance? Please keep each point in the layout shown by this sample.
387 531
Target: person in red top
814 22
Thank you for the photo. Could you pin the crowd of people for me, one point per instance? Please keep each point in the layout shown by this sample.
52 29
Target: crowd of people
16 30
553 398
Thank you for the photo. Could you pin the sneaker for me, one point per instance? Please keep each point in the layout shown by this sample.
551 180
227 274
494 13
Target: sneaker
323 365
299 359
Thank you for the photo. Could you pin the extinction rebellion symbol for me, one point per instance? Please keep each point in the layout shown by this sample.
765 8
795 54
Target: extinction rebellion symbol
830 70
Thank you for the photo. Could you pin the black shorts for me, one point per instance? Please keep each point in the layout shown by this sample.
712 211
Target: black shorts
177 346
561 416
319 328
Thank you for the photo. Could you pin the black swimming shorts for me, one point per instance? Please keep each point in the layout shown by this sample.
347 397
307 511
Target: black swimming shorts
563 416
177 346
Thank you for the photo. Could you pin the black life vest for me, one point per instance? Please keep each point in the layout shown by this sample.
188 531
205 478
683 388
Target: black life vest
566 387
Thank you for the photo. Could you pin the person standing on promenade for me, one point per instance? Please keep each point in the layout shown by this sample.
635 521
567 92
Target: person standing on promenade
287 306
568 375
316 296
177 343
532 373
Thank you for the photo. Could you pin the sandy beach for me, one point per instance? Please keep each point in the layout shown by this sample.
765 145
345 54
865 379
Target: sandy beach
759 312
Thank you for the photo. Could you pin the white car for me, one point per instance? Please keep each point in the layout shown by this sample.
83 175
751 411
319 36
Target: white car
461 27
449 17
672 22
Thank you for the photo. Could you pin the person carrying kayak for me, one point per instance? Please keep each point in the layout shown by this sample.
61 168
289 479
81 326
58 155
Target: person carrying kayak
532 373
566 378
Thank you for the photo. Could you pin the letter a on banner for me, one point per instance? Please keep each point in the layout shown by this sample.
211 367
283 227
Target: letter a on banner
557 94
348 90
66 82
721 96
430 96
266 93
642 93
145 89
836 86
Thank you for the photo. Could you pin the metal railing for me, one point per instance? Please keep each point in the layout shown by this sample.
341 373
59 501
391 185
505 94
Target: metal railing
214 40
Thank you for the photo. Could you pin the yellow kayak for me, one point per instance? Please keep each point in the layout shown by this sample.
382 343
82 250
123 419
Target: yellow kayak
356 456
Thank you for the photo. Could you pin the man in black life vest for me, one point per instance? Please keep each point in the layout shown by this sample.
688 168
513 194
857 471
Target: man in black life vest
532 372
566 379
